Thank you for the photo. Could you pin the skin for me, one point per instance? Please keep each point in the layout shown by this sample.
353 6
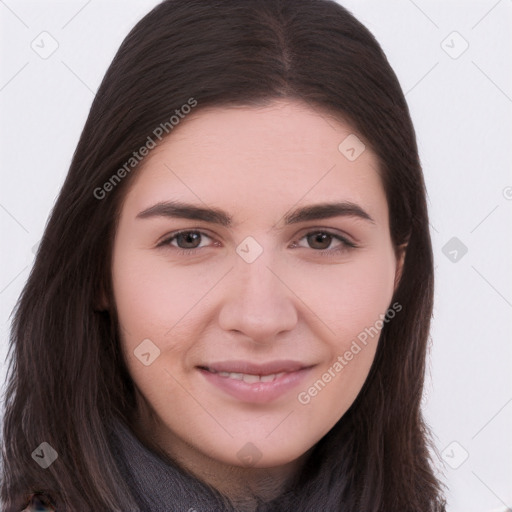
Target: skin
292 302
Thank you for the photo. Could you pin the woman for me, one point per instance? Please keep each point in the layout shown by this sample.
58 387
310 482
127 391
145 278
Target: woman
230 306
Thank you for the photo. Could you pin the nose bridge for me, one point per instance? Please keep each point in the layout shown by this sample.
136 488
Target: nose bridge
259 282
258 304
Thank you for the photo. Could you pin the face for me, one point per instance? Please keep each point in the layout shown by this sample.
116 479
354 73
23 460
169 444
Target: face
249 315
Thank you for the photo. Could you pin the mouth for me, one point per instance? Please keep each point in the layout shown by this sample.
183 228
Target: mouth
247 377
255 383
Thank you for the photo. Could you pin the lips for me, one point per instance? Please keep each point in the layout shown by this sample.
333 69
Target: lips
257 383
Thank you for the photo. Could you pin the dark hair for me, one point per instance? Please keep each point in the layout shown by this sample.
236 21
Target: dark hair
67 377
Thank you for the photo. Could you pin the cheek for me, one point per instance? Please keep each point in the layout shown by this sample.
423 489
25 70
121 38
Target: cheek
149 302
150 298
157 302
144 316
365 294
358 297
348 298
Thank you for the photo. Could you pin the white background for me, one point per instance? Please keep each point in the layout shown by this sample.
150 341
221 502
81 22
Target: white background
462 111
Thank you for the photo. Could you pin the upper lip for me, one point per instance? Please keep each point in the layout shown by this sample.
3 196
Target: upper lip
251 368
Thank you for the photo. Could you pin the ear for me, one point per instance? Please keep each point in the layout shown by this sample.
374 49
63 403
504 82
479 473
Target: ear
102 303
400 252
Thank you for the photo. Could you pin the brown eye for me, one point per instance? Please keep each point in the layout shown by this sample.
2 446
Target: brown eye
188 239
185 241
319 240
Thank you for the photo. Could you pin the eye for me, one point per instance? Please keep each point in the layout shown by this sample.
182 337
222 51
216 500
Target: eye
187 241
321 240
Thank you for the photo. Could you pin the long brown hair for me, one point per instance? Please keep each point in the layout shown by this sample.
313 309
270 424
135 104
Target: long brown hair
66 375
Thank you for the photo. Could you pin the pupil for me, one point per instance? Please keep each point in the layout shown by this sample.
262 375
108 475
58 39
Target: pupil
189 238
321 237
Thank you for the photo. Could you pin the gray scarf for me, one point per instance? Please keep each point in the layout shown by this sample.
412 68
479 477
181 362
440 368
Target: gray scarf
158 485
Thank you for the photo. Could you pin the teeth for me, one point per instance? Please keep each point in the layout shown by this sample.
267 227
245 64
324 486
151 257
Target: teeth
250 379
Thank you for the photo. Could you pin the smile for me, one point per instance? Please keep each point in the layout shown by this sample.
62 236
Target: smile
247 382
249 378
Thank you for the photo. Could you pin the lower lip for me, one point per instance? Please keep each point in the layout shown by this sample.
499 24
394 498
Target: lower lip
258 392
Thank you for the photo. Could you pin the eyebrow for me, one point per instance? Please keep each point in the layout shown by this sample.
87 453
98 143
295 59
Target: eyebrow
177 209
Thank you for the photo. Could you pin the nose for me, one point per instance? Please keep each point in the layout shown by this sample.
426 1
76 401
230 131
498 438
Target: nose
257 302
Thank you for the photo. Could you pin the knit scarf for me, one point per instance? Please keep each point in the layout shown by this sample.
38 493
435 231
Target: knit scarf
156 484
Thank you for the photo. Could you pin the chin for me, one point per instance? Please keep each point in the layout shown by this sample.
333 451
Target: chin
259 453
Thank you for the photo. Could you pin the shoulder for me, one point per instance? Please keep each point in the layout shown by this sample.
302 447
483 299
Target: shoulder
39 503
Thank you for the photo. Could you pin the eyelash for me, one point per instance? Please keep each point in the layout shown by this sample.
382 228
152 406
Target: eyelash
346 244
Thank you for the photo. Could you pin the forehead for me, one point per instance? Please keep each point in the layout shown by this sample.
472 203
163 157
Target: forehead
257 160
